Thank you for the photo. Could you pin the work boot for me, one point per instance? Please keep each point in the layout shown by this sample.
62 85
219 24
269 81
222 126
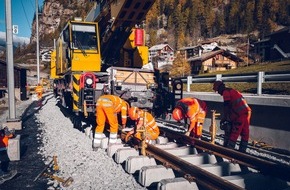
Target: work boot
243 146
4 176
113 138
95 145
231 144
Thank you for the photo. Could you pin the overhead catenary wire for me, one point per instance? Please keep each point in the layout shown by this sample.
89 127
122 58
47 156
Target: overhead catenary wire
25 15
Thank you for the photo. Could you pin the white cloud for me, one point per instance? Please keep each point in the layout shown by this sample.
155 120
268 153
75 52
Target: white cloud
16 39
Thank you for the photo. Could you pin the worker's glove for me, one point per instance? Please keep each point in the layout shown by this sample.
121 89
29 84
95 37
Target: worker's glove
10 133
128 137
226 126
187 133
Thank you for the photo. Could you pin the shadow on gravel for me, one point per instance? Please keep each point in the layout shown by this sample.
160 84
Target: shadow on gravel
31 162
78 122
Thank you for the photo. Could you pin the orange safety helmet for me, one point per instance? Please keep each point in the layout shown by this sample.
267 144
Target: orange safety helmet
133 113
177 114
217 84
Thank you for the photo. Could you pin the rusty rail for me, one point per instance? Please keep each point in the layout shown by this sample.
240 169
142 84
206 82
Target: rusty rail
202 177
264 166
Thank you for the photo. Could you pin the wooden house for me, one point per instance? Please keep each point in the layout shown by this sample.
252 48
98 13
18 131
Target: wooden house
161 55
20 75
216 60
191 51
275 46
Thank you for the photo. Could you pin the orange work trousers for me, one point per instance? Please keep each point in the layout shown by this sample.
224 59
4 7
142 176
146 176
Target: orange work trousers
105 113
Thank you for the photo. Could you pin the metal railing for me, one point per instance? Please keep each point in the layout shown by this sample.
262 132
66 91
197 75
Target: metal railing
259 78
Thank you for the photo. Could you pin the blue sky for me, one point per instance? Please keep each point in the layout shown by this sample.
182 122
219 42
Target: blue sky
22 15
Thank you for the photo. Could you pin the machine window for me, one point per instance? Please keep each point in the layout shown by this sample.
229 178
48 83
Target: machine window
84 37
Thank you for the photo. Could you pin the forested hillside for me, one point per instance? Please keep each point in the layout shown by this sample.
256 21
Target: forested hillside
185 22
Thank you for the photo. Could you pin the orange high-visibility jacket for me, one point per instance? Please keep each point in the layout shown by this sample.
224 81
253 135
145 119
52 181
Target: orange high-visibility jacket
38 89
4 140
196 113
106 111
147 120
118 103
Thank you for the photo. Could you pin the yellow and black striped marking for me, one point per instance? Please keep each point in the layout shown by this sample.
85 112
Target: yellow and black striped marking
76 92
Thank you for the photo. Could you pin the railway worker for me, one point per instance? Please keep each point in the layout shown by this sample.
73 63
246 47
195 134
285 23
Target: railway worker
194 110
38 91
107 108
142 119
237 112
5 135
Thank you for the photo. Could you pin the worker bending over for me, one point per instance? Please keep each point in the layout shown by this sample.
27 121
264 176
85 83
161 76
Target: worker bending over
143 119
107 108
237 112
194 110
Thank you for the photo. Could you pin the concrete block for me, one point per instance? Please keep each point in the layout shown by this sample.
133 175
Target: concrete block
184 150
176 183
198 159
221 168
148 175
13 149
13 124
135 163
256 181
112 148
105 142
162 140
123 153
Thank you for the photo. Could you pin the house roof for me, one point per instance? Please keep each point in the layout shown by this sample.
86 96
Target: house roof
191 47
229 48
15 66
159 47
285 29
212 54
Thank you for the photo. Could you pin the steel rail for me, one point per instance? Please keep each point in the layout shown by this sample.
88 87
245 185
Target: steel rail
264 166
202 177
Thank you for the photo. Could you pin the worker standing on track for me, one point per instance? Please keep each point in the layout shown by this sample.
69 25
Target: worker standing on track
143 119
107 108
236 112
194 110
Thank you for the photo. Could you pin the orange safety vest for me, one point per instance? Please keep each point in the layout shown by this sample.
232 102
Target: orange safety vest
149 123
118 103
4 140
38 89
238 103
195 110
193 107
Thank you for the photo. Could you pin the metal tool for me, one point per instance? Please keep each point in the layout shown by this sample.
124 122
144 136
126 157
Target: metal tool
213 128
65 183
43 170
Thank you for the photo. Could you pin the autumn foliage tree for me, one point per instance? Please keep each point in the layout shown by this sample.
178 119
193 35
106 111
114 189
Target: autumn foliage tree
180 67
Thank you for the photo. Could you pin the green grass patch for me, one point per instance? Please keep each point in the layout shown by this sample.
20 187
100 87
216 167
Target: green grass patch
278 88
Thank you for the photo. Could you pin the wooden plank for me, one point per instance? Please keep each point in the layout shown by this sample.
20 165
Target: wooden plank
134 77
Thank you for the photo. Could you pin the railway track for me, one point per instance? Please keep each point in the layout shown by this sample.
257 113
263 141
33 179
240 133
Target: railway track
176 161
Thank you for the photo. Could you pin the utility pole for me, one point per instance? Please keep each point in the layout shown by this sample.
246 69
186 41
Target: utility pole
37 41
9 60
248 47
